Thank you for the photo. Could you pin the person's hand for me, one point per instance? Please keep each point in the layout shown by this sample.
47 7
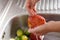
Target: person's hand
43 29
30 5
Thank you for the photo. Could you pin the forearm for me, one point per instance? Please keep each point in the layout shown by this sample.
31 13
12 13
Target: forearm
54 26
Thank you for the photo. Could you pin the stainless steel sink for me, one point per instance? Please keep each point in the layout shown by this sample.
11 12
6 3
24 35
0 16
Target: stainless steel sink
15 17
21 21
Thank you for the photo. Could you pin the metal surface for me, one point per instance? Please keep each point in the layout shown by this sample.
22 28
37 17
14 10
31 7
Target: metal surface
15 23
49 4
3 3
44 4
17 9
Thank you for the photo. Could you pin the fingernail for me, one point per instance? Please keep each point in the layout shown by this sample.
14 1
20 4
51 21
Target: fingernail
29 30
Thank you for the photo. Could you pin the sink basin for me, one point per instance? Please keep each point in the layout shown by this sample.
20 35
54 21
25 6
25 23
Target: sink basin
21 21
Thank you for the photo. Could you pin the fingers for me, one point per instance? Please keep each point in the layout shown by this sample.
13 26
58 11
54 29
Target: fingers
30 5
36 29
31 11
40 30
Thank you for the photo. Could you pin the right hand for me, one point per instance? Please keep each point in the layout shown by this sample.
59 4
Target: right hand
30 5
43 29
